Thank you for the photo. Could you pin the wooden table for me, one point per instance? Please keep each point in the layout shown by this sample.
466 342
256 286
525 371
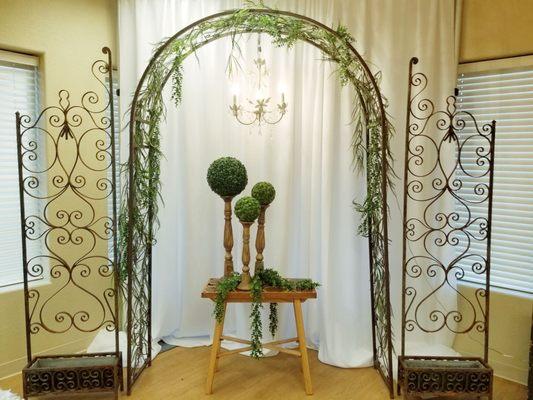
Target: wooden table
269 296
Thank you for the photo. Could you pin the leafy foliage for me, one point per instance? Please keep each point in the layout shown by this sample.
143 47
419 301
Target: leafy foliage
264 192
266 278
256 324
227 176
272 278
247 209
225 285
273 319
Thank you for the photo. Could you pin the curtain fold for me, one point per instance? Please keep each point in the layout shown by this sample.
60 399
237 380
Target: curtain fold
311 226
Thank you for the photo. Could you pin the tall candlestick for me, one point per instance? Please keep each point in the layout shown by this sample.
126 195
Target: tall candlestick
245 276
260 241
228 237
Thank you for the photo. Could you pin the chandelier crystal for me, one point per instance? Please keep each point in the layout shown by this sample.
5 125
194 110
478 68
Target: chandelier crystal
259 111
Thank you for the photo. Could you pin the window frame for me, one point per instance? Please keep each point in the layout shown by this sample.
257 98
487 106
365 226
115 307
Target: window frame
20 60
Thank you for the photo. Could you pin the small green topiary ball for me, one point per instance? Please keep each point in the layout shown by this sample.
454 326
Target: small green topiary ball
264 192
247 209
227 176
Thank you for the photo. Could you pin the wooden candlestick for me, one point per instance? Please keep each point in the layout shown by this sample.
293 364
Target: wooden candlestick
245 276
260 240
228 236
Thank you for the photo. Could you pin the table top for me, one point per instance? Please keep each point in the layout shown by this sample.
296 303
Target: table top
269 295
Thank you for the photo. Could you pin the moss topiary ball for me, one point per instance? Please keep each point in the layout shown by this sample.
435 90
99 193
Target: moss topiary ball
227 176
247 209
264 192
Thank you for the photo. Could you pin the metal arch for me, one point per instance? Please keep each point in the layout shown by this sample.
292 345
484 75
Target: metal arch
381 330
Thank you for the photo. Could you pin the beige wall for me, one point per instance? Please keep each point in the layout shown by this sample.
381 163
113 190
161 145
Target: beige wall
509 327
68 36
496 28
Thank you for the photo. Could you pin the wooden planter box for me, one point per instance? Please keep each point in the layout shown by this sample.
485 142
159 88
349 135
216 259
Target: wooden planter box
82 373
444 376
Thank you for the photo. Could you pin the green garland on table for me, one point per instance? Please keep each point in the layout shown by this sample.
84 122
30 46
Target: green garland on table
224 286
255 317
266 278
273 319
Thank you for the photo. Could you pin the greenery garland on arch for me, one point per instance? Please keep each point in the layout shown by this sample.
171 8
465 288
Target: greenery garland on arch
369 122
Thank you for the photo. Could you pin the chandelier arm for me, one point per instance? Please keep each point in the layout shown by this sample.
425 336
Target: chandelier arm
271 122
242 122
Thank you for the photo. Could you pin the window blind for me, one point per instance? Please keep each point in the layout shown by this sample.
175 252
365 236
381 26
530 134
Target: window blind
19 91
507 97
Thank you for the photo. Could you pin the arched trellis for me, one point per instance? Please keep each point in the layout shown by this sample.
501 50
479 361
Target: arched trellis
371 149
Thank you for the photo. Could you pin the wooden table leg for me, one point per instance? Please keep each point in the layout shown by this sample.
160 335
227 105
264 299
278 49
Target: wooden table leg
303 346
215 348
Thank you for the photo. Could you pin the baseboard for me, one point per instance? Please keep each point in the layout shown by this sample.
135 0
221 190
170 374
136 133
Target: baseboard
14 367
506 371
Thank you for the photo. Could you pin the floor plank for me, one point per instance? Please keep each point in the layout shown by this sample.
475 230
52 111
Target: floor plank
180 374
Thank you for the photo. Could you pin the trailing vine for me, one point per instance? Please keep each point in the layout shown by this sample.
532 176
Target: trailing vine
225 286
273 319
371 128
268 278
256 324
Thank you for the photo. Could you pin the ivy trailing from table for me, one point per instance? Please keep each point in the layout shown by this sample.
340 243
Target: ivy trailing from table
273 319
256 324
268 278
225 286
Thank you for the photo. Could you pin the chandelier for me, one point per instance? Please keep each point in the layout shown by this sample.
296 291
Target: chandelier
259 111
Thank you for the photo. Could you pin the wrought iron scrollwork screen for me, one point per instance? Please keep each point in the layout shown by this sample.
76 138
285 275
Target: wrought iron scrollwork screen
449 164
66 158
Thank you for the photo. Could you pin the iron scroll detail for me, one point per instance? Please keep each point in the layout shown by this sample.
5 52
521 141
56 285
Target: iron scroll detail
64 155
448 186
67 185
446 150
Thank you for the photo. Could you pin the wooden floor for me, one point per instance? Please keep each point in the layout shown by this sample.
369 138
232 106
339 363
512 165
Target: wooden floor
180 374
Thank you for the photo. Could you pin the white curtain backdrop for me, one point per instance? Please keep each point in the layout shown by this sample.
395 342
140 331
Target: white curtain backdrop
311 226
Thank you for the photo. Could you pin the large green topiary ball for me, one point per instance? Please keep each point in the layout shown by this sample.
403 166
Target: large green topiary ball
264 192
247 209
227 176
